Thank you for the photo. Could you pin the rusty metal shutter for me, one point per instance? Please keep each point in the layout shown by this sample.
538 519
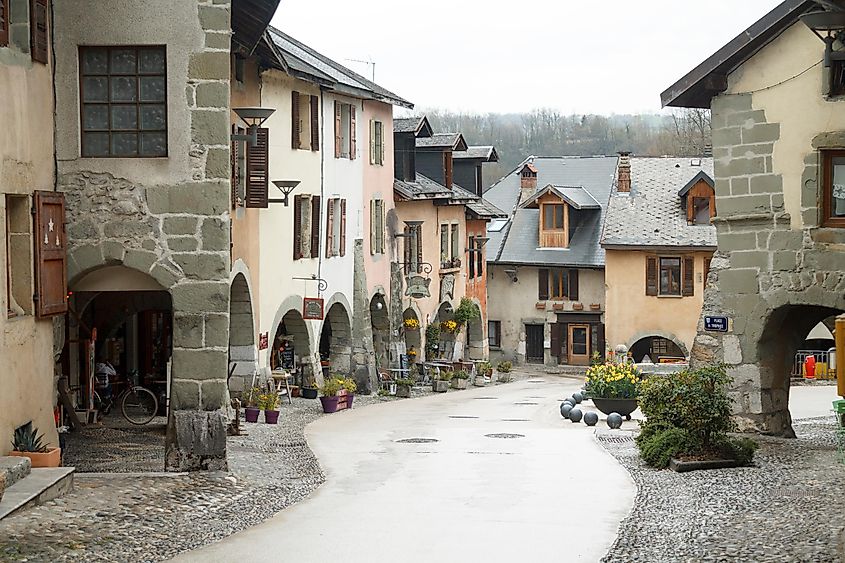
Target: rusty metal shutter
257 171
343 227
542 284
295 122
651 285
352 132
688 288
50 254
315 123
315 226
38 30
573 285
297 227
4 23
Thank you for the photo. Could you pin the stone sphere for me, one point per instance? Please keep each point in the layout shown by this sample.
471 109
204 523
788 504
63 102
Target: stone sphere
564 410
570 401
614 420
575 415
578 397
590 418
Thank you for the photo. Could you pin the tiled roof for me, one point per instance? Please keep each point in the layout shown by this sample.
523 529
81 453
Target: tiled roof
305 60
452 141
423 188
518 242
653 214
487 153
414 125
576 196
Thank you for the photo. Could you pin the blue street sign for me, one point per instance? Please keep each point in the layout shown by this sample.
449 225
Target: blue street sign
716 324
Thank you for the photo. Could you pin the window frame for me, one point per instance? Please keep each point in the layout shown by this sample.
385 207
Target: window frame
695 210
4 24
494 337
138 104
827 219
680 280
555 217
19 213
377 142
558 284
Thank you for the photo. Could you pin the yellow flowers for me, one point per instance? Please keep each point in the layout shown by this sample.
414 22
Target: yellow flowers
613 380
411 324
449 326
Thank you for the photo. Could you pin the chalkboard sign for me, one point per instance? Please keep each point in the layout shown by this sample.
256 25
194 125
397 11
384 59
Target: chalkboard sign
287 359
403 361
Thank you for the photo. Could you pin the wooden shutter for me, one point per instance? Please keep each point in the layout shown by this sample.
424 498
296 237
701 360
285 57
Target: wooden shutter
50 254
471 259
381 142
257 171
338 141
651 275
419 249
352 128
479 267
372 226
38 30
543 286
4 23
295 121
315 226
707 269
315 123
235 172
380 225
297 227
556 333
573 285
601 346
688 274
343 227
372 141
407 257
330 227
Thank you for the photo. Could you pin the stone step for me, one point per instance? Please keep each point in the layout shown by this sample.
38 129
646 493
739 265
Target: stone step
14 468
41 485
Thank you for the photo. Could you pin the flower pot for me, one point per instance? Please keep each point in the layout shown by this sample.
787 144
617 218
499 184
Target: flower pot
349 397
621 406
271 417
251 414
479 381
459 383
577 306
329 404
439 386
309 393
541 305
294 391
51 458
557 306
403 391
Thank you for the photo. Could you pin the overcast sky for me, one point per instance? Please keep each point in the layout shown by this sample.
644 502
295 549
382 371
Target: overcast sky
481 56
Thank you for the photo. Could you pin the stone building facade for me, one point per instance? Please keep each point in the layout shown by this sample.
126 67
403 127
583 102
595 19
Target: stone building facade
780 265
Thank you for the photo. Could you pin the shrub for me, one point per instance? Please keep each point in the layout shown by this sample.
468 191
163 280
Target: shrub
349 384
445 375
330 387
612 380
740 449
467 311
432 338
461 374
268 401
659 447
409 381
504 367
485 369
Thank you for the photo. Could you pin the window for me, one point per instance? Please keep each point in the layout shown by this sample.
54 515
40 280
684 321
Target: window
456 243
18 256
344 130
475 264
377 226
376 142
833 188
553 217
670 275
558 284
306 226
413 249
124 101
38 36
494 334
336 227
4 23
701 210
837 78
450 245
305 121
554 225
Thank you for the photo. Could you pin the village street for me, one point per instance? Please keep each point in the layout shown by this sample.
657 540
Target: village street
468 496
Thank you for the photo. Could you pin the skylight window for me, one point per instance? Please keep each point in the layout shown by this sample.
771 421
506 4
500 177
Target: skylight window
496 225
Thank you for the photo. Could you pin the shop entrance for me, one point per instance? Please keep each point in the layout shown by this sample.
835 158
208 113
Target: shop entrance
335 342
291 349
534 343
579 344
412 329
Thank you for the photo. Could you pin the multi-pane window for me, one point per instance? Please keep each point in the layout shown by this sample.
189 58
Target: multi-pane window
450 243
344 130
833 188
670 276
377 226
376 142
124 101
701 210
413 249
558 284
553 216
494 334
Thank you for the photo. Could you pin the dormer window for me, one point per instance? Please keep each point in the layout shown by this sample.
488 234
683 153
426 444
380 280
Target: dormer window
701 210
554 231
699 198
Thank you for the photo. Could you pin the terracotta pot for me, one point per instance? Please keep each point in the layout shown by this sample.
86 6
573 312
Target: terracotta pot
51 458
251 414
577 306
329 404
271 417
294 391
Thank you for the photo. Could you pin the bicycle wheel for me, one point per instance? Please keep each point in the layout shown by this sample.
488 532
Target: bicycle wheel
139 405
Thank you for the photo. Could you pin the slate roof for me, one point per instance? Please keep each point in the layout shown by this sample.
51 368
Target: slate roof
478 206
416 125
454 141
653 214
423 188
518 242
486 153
309 64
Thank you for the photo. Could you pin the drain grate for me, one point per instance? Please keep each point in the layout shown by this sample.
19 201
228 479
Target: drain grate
515 420
492 453
484 398
615 439
505 435
526 403
462 416
417 440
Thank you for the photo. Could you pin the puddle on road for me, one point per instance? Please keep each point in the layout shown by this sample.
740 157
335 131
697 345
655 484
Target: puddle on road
484 398
417 440
526 403
462 416
515 420
505 435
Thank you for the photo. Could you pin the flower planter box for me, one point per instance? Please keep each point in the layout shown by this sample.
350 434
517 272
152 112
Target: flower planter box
684 466
309 393
271 417
479 381
439 386
623 407
403 391
459 383
541 305
251 414
595 306
577 306
339 402
51 458
557 306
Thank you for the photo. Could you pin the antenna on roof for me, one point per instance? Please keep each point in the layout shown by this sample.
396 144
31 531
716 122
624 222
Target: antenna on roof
370 62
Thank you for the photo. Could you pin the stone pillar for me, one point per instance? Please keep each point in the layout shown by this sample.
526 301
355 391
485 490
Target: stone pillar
363 354
396 343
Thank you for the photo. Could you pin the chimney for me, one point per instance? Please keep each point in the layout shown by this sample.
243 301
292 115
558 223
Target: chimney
708 150
528 181
623 179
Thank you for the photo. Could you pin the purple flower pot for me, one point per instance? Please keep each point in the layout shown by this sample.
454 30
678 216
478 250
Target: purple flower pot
251 414
349 398
329 404
271 417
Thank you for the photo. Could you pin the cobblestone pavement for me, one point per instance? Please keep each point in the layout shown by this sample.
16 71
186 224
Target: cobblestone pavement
788 508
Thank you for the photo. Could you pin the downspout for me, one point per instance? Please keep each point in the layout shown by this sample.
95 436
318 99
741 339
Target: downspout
53 85
323 202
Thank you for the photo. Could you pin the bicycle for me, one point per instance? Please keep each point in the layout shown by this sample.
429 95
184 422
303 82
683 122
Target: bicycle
138 405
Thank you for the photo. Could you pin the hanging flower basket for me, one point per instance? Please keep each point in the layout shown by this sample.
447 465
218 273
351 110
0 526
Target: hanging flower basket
449 326
411 324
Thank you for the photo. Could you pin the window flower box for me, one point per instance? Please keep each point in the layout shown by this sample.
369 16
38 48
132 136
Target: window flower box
557 306
540 305
595 306
577 306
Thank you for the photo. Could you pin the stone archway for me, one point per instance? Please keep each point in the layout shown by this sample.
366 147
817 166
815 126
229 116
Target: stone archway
448 341
243 354
336 341
380 324
475 341
656 345
413 336
291 348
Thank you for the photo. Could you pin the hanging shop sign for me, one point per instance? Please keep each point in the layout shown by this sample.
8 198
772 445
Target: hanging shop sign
312 308
417 287
263 340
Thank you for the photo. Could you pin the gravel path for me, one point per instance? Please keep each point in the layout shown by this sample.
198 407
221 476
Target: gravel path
788 508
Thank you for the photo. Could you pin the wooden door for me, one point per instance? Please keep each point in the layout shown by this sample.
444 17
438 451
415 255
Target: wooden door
579 344
534 343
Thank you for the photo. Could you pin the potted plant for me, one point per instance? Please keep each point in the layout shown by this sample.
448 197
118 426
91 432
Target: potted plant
328 394
432 338
251 410
269 403
27 442
403 387
460 379
440 383
613 387
350 386
309 389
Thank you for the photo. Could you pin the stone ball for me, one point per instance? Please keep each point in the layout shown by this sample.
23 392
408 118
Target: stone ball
591 418
575 415
621 350
564 410
570 401
578 397
614 420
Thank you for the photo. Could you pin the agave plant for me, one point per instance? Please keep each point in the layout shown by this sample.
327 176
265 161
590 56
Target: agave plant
27 439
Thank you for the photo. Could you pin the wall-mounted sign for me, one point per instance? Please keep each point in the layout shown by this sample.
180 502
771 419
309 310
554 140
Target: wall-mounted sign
417 286
716 324
263 340
312 308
